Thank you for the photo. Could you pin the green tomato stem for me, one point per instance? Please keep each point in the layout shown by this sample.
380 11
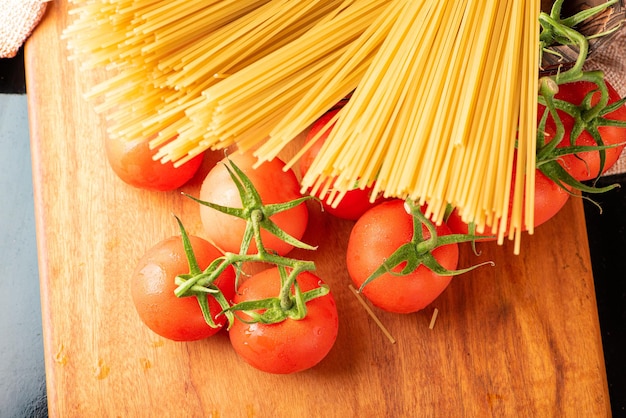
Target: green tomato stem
286 280
587 117
419 250
584 14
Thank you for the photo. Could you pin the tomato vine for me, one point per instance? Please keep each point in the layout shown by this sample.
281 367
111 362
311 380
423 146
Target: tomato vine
587 116
418 251
257 216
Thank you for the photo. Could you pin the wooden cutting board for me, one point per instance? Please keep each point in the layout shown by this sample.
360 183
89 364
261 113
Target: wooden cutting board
518 339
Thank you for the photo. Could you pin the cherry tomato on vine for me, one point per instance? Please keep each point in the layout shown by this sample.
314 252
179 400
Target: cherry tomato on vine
356 201
586 165
153 285
132 162
273 185
374 238
549 200
292 345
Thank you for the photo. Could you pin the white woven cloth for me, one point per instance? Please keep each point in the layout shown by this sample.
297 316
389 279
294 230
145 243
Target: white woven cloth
18 18
611 58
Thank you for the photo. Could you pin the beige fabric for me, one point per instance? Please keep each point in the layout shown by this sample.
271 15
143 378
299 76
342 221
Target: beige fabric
611 58
18 18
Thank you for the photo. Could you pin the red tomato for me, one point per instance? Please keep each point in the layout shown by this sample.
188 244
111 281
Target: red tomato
132 162
273 185
549 200
309 156
586 165
152 289
291 345
355 202
377 235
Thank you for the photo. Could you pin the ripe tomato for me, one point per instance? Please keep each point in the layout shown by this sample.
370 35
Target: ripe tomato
355 202
586 165
377 235
152 290
549 200
132 162
291 345
273 185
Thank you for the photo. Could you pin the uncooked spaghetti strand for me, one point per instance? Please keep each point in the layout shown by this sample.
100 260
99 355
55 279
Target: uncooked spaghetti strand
243 87
508 108
483 119
355 19
528 118
130 7
275 144
403 71
171 38
365 97
352 64
233 119
439 95
425 16
475 71
219 135
276 30
300 53
200 37
178 10
493 101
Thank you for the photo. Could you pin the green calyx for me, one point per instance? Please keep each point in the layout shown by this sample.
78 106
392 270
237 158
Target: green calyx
291 302
189 284
255 213
587 116
556 30
419 250
288 305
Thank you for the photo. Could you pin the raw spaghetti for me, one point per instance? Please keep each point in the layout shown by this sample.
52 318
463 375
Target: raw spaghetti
443 92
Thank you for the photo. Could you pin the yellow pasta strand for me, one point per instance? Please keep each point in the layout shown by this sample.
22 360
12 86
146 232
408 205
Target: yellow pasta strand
443 93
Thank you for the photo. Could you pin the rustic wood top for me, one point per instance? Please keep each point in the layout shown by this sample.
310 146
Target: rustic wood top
518 339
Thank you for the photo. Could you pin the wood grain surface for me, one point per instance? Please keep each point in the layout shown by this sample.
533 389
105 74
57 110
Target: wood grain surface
519 339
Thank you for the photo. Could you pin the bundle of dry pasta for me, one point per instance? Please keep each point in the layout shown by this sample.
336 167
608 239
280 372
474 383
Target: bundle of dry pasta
443 91
449 96
163 54
244 107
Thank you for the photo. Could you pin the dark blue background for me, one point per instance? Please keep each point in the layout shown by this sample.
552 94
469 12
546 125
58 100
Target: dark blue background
22 374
